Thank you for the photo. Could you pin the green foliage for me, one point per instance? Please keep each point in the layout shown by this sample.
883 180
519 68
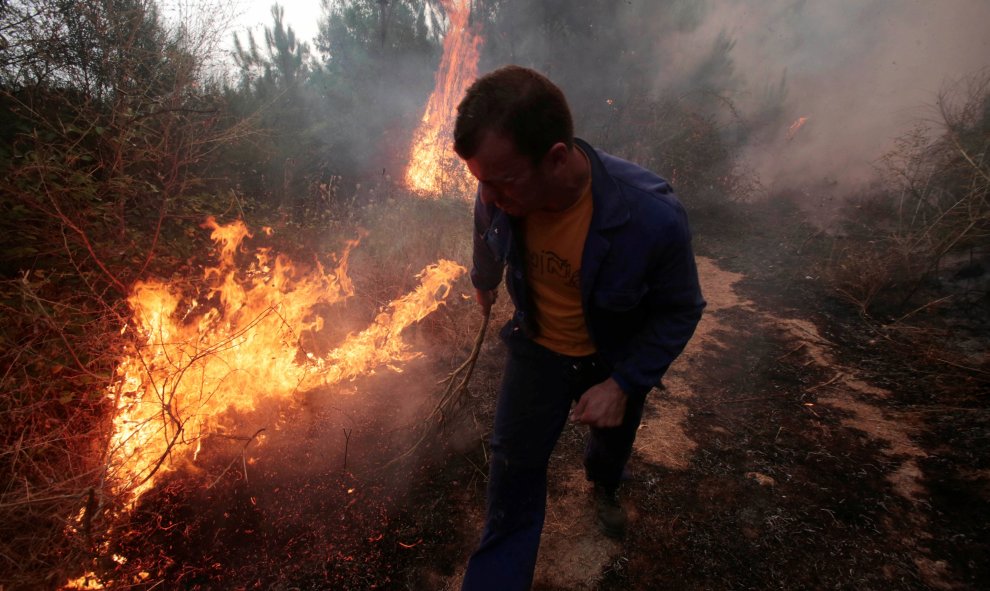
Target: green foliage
378 64
101 48
335 117
353 33
107 133
281 68
272 92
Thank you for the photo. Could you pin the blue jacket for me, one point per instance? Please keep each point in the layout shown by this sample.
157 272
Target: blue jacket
639 283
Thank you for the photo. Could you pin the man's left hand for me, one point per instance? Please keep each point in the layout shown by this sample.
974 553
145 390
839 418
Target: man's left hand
603 405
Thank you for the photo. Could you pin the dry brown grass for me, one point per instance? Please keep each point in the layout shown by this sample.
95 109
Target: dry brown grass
57 357
909 241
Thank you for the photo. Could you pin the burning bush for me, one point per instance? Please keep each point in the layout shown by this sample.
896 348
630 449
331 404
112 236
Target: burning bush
214 355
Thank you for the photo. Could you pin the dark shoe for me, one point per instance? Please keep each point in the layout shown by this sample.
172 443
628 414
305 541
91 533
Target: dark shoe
612 518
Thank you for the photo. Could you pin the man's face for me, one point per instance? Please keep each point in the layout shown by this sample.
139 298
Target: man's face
507 178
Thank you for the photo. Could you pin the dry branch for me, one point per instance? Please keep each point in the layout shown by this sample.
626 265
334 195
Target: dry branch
456 384
247 442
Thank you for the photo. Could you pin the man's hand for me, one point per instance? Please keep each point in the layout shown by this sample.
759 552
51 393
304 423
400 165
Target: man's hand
485 298
603 405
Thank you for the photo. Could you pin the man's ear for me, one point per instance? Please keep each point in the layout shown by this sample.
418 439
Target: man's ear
557 156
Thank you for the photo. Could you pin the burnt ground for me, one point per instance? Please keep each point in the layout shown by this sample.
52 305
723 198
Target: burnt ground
792 448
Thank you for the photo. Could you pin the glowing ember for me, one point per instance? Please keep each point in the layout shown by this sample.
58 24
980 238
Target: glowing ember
793 129
239 345
434 168
86 582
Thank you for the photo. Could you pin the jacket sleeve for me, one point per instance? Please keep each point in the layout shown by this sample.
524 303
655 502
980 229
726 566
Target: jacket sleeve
486 268
674 304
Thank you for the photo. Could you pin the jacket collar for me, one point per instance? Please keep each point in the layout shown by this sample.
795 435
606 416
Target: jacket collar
610 208
609 211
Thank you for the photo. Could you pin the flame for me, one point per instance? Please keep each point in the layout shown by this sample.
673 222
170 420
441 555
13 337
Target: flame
375 345
239 344
433 167
793 129
83 583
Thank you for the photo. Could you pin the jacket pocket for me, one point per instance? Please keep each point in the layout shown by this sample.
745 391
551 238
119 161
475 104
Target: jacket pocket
619 300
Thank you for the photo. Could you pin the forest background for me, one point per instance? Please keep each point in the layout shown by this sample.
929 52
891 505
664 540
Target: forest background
121 131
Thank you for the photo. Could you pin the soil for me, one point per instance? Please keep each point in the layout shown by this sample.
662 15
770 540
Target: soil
789 449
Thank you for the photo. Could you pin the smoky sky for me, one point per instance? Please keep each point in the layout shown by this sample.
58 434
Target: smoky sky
861 71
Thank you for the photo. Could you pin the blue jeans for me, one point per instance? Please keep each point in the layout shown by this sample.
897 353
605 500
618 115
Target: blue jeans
538 388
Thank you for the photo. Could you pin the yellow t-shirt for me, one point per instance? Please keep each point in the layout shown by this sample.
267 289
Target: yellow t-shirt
554 244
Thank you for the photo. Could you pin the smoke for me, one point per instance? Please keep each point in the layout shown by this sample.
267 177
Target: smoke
862 72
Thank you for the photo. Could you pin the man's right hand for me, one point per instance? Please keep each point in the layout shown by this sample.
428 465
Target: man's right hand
485 298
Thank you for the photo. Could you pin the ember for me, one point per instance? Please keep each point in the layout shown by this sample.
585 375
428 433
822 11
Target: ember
793 129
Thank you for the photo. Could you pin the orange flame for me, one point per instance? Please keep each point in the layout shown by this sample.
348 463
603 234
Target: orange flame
434 169
86 582
793 129
240 346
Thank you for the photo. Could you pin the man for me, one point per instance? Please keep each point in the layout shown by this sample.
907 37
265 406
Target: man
606 295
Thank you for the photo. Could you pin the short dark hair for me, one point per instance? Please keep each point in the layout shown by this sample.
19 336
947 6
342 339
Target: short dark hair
518 102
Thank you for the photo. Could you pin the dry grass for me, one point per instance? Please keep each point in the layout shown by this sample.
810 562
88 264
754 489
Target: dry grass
57 356
913 252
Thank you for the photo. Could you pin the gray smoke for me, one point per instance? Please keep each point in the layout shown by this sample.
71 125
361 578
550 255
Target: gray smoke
861 71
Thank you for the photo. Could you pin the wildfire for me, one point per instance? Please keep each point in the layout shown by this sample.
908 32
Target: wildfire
793 129
239 343
433 168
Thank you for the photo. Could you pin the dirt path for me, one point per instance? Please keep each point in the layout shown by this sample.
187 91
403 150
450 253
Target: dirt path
767 463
